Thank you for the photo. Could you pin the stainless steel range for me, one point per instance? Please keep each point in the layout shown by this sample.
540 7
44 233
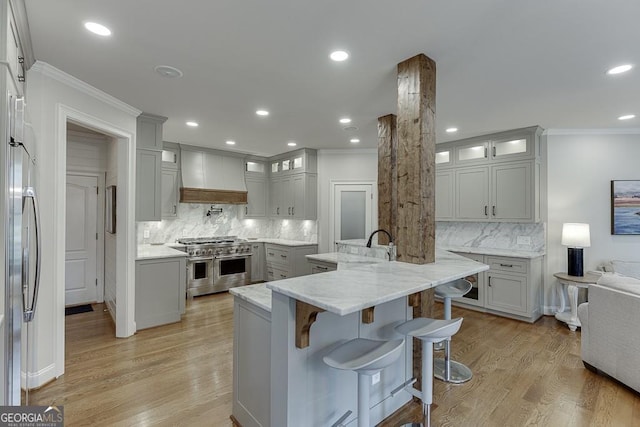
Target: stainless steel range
215 264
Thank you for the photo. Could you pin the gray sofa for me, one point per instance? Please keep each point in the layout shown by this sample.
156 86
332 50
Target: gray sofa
610 340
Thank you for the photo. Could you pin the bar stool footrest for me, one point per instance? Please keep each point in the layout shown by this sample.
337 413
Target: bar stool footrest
458 373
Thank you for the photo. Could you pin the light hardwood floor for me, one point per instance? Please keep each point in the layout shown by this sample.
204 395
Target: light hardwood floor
180 374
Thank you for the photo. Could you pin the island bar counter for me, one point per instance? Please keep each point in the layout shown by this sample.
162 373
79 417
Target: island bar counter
306 392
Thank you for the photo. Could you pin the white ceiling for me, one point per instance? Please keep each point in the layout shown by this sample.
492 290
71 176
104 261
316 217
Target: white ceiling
501 64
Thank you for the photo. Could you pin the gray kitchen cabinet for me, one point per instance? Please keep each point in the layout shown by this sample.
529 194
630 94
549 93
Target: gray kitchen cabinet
149 131
287 261
148 185
321 267
512 192
298 161
472 193
148 167
160 291
257 262
495 178
170 155
512 287
294 196
257 196
170 192
501 192
445 204
277 201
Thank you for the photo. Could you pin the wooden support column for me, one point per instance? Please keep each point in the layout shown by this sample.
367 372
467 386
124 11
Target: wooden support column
415 226
387 178
415 229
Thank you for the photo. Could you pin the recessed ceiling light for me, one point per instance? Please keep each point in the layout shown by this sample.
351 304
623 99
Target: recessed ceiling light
291 144
262 112
192 124
339 55
620 69
354 140
627 117
230 142
351 128
345 120
451 130
168 71
98 29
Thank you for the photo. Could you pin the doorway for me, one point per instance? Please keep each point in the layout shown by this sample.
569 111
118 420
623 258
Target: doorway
353 208
84 242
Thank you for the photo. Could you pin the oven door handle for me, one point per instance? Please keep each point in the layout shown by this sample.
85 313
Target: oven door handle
197 259
236 256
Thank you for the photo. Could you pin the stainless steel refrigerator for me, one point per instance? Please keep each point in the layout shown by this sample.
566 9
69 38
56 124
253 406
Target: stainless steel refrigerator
20 230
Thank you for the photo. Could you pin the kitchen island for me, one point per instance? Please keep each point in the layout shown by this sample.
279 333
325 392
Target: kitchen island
363 301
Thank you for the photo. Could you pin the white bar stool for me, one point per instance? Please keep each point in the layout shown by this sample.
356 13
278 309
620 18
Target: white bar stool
367 358
446 369
428 331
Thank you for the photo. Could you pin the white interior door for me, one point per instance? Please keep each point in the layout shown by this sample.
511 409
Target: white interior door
81 278
352 211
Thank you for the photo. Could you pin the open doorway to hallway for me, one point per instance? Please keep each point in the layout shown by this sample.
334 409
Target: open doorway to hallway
89 256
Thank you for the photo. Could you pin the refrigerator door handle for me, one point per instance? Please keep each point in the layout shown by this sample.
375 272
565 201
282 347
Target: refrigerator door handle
30 306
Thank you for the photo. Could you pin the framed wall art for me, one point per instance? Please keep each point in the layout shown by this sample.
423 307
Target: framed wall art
625 207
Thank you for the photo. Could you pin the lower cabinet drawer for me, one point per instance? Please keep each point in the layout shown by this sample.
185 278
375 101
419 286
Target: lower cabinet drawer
321 267
277 256
507 264
276 274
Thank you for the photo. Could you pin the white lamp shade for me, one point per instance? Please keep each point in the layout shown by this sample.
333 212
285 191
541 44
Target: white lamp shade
576 235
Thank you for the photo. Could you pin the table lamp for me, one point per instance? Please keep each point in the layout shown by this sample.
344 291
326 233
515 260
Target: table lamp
576 236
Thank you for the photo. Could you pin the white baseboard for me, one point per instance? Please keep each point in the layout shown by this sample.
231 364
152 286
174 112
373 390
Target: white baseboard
40 378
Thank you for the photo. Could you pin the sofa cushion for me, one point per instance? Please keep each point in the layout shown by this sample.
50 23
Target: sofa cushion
627 268
620 282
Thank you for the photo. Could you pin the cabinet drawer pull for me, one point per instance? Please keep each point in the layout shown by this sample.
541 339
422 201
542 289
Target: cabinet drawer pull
506 265
486 212
494 151
293 210
485 152
283 276
271 254
283 256
278 210
489 281
175 209
493 210
246 210
321 268
289 210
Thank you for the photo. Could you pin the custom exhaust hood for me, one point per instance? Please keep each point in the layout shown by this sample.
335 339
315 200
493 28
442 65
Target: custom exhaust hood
211 177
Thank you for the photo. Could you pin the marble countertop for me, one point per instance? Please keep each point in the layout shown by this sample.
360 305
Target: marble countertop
157 251
514 253
257 295
347 291
282 242
339 258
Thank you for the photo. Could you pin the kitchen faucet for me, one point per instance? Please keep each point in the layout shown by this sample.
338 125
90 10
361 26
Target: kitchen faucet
384 231
392 250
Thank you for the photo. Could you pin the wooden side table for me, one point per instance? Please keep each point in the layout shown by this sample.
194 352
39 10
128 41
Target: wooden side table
569 286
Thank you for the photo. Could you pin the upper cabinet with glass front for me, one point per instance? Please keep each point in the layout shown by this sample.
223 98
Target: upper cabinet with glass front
303 160
518 144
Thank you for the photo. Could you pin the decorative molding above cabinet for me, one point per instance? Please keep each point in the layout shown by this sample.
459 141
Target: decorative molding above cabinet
494 178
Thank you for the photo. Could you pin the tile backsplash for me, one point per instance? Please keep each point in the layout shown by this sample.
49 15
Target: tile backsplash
494 235
192 221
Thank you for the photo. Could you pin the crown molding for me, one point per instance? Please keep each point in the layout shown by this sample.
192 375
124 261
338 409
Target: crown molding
600 131
19 11
348 151
67 79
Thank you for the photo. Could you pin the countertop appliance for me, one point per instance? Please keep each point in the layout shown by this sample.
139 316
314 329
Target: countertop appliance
215 264
21 249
